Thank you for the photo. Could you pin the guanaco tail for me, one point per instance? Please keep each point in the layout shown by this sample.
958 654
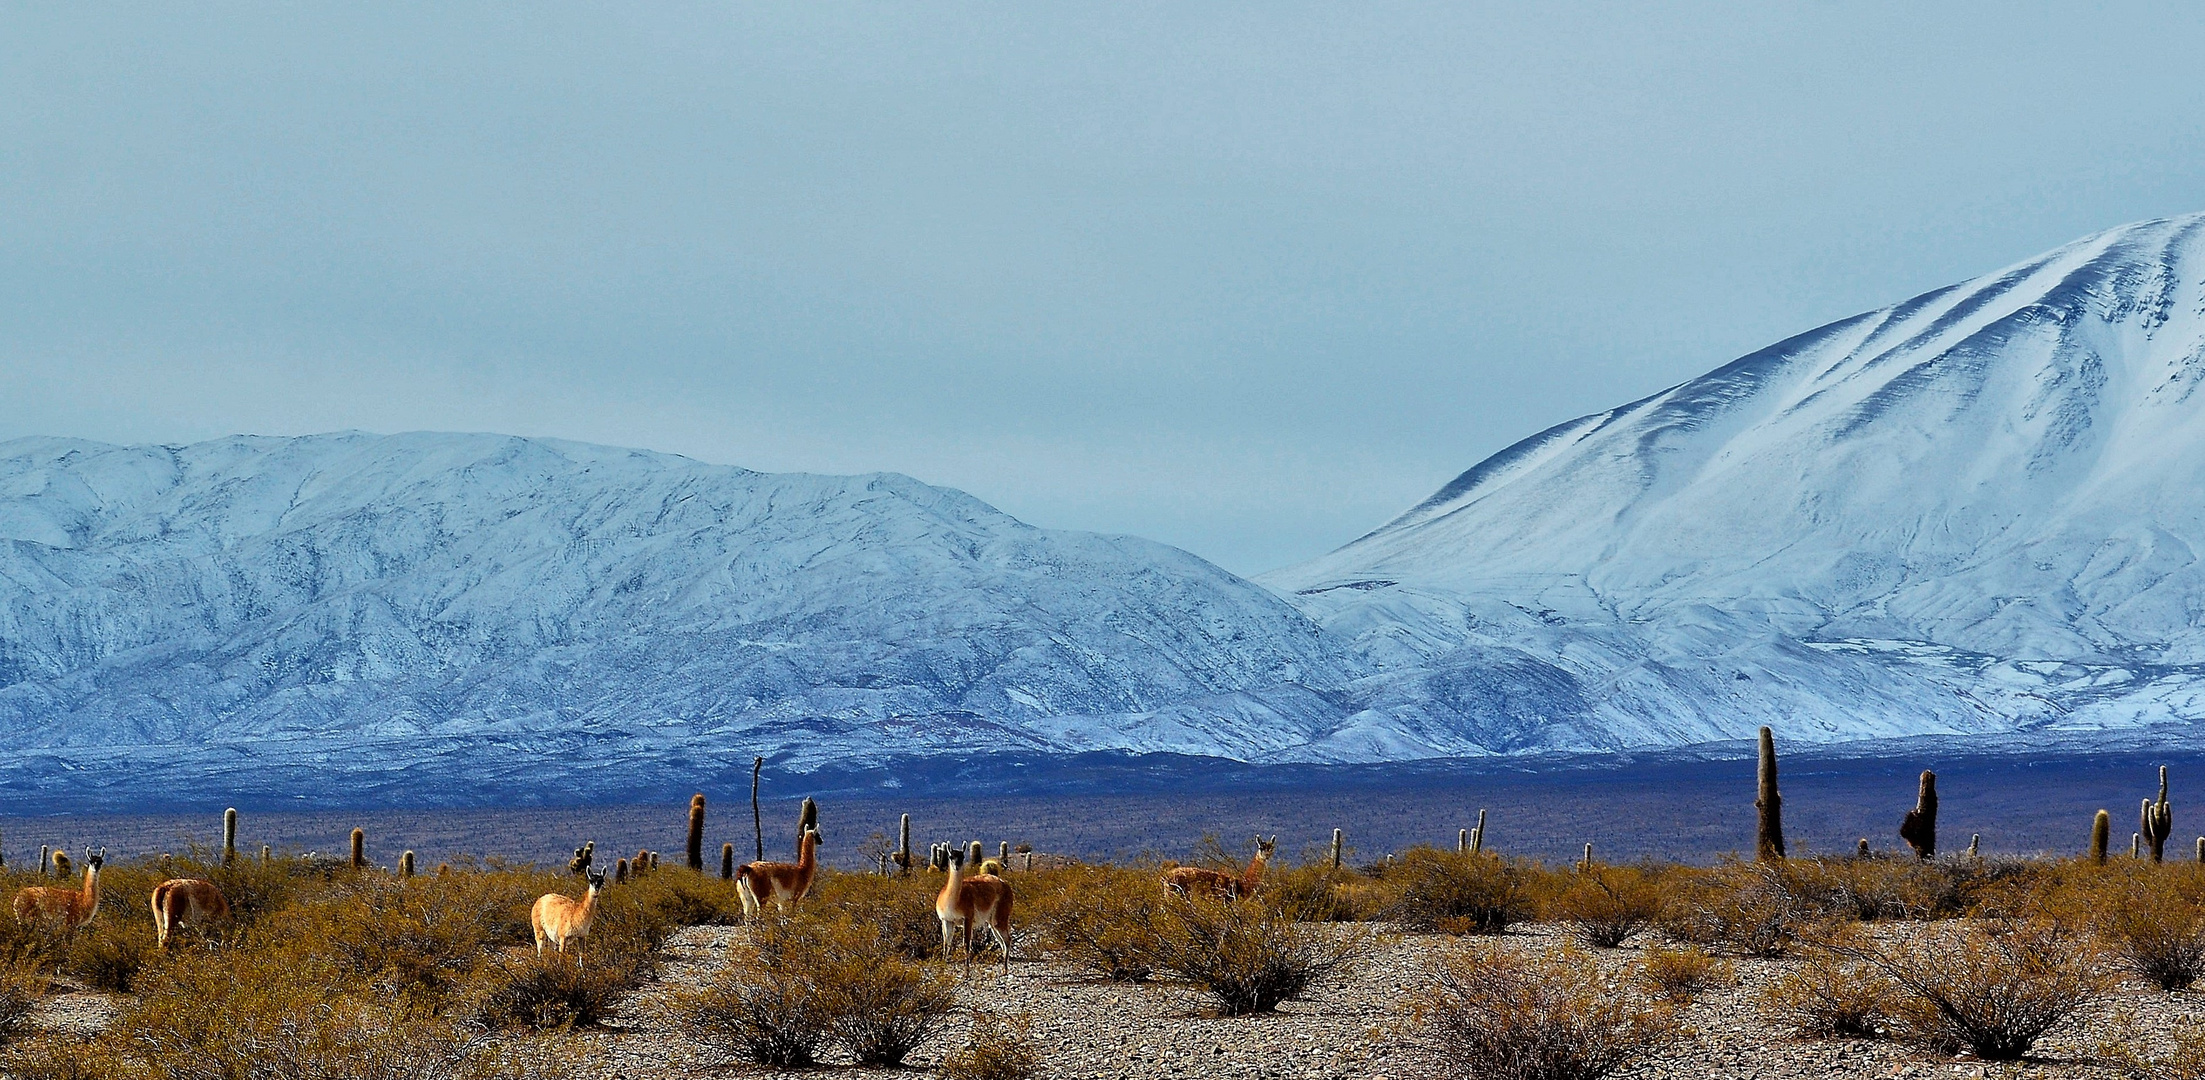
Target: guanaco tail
182 902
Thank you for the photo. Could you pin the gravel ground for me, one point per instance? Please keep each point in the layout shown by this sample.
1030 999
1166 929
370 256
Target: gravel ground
1348 1029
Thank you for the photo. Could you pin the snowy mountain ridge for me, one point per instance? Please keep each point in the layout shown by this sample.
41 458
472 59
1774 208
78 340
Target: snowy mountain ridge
1972 512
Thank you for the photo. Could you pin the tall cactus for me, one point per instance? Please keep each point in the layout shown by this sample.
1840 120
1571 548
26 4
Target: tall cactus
1919 829
696 832
2101 833
757 823
405 865
1462 841
727 862
229 836
2158 820
1768 832
903 843
1339 841
359 849
1477 834
45 858
579 866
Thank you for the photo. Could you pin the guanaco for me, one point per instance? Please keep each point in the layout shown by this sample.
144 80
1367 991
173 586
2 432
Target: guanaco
784 883
966 903
56 908
182 902
559 918
1217 884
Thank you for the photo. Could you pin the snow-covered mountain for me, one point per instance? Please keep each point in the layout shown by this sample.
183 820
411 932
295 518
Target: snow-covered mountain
444 606
1978 511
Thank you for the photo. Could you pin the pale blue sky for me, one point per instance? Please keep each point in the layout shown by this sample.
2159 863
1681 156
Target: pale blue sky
1247 279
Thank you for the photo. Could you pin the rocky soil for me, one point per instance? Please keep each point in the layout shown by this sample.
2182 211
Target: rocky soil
1351 1028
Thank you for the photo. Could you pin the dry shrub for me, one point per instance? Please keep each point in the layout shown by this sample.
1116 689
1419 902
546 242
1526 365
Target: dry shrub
1495 1014
109 957
1248 956
281 1018
1832 993
1991 987
804 983
552 991
2150 927
1748 908
1315 892
1458 893
1100 920
20 988
1679 975
901 909
1608 904
2180 1057
1000 1049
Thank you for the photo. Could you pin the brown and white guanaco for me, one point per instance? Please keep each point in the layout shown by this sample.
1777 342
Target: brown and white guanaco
784 883
558 918
56 908
1217 884
967 903
182 902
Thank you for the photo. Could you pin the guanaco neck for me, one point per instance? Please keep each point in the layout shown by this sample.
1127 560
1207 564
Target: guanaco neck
1254 873
91 892
807 852
947 901
589 906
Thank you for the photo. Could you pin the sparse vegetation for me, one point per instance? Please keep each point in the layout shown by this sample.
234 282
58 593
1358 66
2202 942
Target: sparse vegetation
1248 956
1490 1013
1000 1048
1681 974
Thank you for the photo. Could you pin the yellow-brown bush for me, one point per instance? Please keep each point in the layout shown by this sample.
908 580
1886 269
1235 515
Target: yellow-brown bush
1315 892
1607 904
1992 987
2150 921
1458 893
1491 1013
1748 908
805 982
1248 957
1681 974
1831 992
20 988
901 909
1000 1048
1103 919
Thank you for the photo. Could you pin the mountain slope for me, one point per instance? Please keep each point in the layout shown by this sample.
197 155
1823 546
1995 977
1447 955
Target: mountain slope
490 603
1975 511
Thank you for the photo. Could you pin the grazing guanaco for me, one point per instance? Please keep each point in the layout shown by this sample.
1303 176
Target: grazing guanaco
784 883
966 903
56 908
182 902
1217 884
558 918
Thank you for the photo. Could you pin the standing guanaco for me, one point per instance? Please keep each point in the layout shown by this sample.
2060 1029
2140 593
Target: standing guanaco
56 908
558 918
966 903
785 883
1217 884
182 902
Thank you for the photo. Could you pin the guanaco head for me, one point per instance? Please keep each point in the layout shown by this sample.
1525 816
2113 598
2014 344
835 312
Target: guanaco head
95 861
596 880
1264 848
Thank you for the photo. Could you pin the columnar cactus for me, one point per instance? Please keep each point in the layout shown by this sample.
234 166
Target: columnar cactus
266 853
620 871
405 864
696 832
1588 861
45 858
1462 841
757 823
229 836
1339 841
1919 829
579 865
1861 851
2101 832
727 862
903 843
1975 846
1477 834
359 849
1768 832
2158 820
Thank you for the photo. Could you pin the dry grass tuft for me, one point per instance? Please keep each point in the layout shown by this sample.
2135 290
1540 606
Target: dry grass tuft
1001 1048
1249 957
1608 904
1681 974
